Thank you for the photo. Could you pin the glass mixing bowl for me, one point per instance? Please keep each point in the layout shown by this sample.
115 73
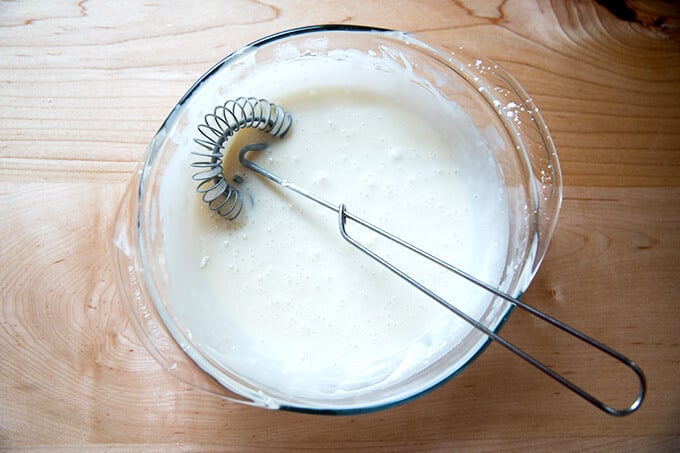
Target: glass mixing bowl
501 110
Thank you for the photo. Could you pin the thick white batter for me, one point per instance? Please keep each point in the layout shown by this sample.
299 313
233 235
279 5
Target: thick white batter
278 297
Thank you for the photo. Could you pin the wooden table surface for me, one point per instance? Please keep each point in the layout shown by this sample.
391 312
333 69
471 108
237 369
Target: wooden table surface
84 85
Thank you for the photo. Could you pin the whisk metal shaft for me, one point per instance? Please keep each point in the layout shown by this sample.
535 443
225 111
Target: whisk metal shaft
344 216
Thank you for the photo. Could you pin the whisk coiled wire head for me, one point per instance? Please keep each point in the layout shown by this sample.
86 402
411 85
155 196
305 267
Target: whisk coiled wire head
217 127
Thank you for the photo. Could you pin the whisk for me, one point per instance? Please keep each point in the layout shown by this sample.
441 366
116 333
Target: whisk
226 200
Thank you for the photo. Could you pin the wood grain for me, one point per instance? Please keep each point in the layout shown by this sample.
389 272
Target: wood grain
83 88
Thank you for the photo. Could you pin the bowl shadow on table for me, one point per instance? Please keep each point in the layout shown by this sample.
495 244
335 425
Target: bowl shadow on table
493 397
475 405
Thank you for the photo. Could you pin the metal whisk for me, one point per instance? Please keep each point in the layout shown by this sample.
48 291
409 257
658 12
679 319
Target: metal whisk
281 121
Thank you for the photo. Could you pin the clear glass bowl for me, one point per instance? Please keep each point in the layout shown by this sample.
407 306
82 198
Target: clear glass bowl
505 115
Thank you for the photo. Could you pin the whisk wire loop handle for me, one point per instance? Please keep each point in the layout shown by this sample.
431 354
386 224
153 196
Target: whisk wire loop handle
344 216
